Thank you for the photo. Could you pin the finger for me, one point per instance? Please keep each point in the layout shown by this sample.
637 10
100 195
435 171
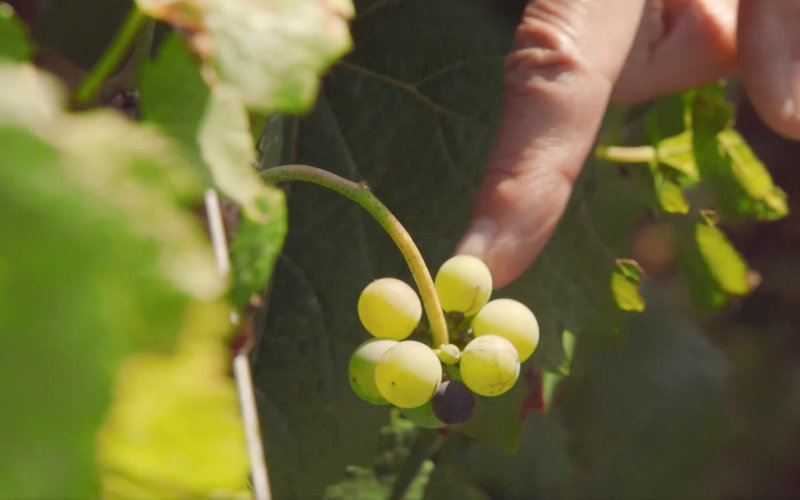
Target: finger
680 44
769 60
565 58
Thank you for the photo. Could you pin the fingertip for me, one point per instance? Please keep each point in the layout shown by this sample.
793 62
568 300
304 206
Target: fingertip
478 238
514 219
781 115
769 61
483 241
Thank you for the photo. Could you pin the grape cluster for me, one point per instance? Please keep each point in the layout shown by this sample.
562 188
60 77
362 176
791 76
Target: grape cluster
488 341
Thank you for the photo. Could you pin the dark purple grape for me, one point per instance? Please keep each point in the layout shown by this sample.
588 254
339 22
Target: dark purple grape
453 403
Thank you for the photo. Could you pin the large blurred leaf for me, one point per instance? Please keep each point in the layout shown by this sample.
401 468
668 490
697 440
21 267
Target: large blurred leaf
100 256
641 419
212 126
648 419
271 51
412 112
175 429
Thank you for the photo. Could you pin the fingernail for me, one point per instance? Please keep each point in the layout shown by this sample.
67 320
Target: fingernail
479 235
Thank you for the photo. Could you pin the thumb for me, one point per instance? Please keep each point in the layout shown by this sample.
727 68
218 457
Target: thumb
565 59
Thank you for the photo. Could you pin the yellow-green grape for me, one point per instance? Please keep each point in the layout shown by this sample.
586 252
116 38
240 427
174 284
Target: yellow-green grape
489 365
389 309
408 374
362 369
511 320
464 284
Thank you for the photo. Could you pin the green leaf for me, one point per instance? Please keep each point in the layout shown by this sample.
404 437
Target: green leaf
175 429
726 266
103 258
271 51
676 152
703 288
174 97
673 167
213 128
14 44
668 190
648 418
740 181
707 112
625 285
417 126
254 250
750 173
645 418
550 379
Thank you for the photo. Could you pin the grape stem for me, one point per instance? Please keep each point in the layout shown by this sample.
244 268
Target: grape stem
361 194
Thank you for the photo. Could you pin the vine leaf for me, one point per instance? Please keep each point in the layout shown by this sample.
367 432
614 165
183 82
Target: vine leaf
726 266
672 169
713 268
271 51
552 379
767 200
104 259
212 126
742 184
676 152
625 281
668 190
175 428
417 126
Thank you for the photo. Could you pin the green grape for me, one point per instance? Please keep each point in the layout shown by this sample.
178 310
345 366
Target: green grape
389 309
511 320
464 284
408 374
489 365
362 369
424 417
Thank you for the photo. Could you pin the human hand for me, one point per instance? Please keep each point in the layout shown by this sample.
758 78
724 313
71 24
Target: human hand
570 57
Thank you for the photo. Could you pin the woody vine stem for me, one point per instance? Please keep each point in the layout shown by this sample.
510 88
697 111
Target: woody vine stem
361 194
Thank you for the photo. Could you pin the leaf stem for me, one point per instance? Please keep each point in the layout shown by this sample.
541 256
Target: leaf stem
622 154
361 194
640 154
112 57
